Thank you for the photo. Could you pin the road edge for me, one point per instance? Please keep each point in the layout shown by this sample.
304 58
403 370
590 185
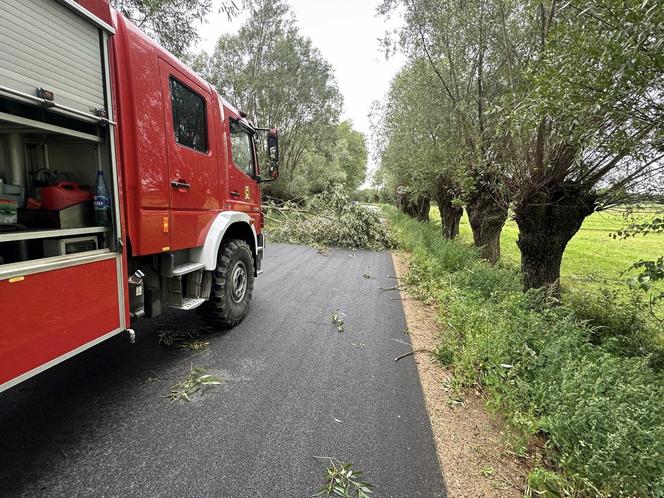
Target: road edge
471 445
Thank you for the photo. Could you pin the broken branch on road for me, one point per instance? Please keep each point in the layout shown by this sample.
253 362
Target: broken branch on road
413 352
396 287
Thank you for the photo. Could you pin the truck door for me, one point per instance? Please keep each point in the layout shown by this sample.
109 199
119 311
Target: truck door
192 161
243 190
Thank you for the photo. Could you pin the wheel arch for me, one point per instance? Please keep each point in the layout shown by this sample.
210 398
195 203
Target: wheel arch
227 225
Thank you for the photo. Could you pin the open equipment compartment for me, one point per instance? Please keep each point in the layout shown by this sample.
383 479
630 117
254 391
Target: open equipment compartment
47 183
55 133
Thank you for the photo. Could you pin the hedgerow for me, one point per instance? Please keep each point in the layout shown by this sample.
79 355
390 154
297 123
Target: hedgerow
583 376
328 219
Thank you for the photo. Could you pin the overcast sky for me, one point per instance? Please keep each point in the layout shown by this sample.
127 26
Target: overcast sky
346 32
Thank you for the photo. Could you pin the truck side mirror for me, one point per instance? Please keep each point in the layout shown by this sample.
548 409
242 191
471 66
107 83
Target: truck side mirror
273 153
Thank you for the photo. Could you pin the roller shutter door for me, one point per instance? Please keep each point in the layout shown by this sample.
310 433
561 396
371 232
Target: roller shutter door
45 44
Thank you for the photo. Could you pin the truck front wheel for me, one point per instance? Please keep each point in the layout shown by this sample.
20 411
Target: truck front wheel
232 285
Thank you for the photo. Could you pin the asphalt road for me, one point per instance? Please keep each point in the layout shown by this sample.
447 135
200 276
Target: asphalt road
293 387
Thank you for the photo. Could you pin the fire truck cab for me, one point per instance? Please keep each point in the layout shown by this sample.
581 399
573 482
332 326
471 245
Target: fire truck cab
85 94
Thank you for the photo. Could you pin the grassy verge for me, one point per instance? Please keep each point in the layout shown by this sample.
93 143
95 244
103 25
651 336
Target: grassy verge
587 376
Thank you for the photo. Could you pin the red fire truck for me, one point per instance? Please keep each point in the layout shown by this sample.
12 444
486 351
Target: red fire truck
84 94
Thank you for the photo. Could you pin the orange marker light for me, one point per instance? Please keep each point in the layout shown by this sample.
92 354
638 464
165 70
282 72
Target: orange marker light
165 224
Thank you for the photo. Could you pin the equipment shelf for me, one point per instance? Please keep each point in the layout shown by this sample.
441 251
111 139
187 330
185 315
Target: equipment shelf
48 233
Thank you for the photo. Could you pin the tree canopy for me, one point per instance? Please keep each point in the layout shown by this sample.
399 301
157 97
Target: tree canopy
173 23
275 75
553 109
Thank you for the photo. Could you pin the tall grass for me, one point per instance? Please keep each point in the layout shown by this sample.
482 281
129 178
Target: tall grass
586 376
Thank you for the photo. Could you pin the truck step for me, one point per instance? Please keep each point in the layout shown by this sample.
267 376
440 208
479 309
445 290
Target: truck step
189 303
185 268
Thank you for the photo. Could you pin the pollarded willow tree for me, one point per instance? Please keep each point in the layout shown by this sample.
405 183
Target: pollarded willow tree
586 122
464 45
560 106
275 75
411 139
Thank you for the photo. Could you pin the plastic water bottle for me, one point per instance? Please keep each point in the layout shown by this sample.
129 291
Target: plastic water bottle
102 202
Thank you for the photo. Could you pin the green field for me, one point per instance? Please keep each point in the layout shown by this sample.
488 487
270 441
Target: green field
591 257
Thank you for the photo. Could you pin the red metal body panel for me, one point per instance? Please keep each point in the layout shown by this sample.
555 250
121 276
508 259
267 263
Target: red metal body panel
140 120
190 228
52 313
99 8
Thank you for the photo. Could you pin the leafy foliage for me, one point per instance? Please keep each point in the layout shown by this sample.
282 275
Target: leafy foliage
342 481
337 320
656 225
411 139
173 23
568 373
327 219
649 272
196 382
195 345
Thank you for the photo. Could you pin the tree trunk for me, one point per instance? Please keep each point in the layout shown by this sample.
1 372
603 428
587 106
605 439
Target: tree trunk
547 220
425 207
487 213
417 208
401 203
450 215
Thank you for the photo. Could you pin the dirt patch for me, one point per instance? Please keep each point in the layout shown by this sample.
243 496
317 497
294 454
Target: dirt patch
474 457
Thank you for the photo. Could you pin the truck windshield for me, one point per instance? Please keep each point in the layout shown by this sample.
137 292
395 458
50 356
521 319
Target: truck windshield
241 149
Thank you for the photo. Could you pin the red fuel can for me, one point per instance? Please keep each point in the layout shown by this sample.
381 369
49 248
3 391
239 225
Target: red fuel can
63 195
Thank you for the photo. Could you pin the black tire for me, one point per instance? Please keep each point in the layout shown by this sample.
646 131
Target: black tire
229 299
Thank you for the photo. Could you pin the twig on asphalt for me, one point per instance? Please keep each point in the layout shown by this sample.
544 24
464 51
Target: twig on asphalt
423 350
389 288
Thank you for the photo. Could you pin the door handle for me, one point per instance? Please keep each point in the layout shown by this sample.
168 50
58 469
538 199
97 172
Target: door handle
235 193
180 184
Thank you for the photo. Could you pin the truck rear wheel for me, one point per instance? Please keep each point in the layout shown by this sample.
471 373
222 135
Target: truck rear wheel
232 285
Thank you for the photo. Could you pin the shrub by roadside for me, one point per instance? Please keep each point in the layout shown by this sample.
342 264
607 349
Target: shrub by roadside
585 377
327 219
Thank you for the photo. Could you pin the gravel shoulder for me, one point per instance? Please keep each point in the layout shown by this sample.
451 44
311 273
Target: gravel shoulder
470 441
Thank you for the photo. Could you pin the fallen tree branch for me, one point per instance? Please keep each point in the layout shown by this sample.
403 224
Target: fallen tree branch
423 350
